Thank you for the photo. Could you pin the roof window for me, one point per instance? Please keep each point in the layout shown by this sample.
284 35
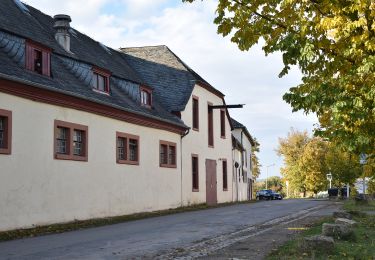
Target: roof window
101 80
38 58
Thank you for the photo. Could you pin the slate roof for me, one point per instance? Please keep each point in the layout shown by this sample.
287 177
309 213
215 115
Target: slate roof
173 81
238 125
33 24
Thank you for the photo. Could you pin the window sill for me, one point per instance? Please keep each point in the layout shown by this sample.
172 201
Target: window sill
101 92
5 151
211 146
127 162
225 189
196 129
168 165
71 157
223 137
195 190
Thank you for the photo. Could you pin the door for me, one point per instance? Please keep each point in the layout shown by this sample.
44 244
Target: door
211 183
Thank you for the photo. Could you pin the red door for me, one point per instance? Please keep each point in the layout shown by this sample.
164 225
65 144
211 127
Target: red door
211 184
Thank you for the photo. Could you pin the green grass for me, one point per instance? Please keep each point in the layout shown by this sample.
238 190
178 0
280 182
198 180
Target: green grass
352 205
360 246
82 224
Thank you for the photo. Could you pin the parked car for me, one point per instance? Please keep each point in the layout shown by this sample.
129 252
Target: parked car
264 195
276 196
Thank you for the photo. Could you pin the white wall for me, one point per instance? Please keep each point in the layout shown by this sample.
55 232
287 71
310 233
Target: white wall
246 156
36 189
196 142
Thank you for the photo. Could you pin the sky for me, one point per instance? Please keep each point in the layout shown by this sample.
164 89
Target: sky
248 78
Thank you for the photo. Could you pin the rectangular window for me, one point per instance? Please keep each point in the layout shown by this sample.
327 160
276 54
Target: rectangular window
195 172
127 148
225 176
222 123
70 141
62 140
146 96
210 125
168 154
100 81
195 113
5 131
38 58
78 142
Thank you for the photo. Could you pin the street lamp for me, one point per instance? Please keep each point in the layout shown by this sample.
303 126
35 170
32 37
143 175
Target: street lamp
329 177
267 174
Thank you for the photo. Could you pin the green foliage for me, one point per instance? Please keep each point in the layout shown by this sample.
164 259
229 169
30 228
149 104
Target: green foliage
291 148
333 44
254 159
308 160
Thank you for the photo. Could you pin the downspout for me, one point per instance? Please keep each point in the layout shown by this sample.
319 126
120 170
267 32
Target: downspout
242 160
182 136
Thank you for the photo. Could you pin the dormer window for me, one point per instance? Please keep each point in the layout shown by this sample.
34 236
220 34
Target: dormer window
38 58
146 97
101 80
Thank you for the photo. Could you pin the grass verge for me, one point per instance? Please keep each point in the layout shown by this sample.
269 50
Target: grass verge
361 246
82 224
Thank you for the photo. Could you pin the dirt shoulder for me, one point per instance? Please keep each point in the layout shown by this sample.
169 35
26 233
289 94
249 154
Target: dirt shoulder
260 245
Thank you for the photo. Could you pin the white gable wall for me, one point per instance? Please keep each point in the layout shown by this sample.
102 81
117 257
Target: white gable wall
246 165
196 142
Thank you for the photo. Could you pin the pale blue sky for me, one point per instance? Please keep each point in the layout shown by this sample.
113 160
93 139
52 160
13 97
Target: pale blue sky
244 77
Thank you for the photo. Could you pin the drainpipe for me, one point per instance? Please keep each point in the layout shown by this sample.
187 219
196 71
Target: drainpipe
182 136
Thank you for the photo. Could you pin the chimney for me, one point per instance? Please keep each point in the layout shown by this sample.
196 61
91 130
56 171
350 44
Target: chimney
62 26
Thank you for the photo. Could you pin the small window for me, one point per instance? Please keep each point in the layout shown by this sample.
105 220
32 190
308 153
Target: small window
225 176
70 141
195 113
38 58
222 123
210 125
167 154
5 131
127 148
146 97
195 172
101 80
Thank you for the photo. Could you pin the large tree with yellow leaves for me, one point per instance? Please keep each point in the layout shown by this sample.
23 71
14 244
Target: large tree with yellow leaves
333 44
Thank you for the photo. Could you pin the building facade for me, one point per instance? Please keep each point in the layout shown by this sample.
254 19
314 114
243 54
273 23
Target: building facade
87 131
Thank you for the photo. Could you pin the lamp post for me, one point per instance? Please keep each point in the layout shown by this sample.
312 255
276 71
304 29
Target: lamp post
329 177
267 174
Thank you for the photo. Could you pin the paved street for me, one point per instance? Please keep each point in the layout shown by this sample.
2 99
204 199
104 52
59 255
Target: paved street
160 235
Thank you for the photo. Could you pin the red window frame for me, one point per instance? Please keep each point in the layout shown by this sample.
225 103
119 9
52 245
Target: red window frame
7 115
210 122
166 159
34 48
69 154
195 113
222 123
127 138
225 174
145 96
98 72
195 172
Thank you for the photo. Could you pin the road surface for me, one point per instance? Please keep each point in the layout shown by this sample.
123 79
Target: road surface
163 237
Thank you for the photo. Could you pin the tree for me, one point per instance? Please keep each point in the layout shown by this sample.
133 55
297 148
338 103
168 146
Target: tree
344 166
275 183
333 44
254 159
313 165
291 148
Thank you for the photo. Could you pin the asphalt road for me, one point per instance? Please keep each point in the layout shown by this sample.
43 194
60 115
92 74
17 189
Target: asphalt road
147 237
